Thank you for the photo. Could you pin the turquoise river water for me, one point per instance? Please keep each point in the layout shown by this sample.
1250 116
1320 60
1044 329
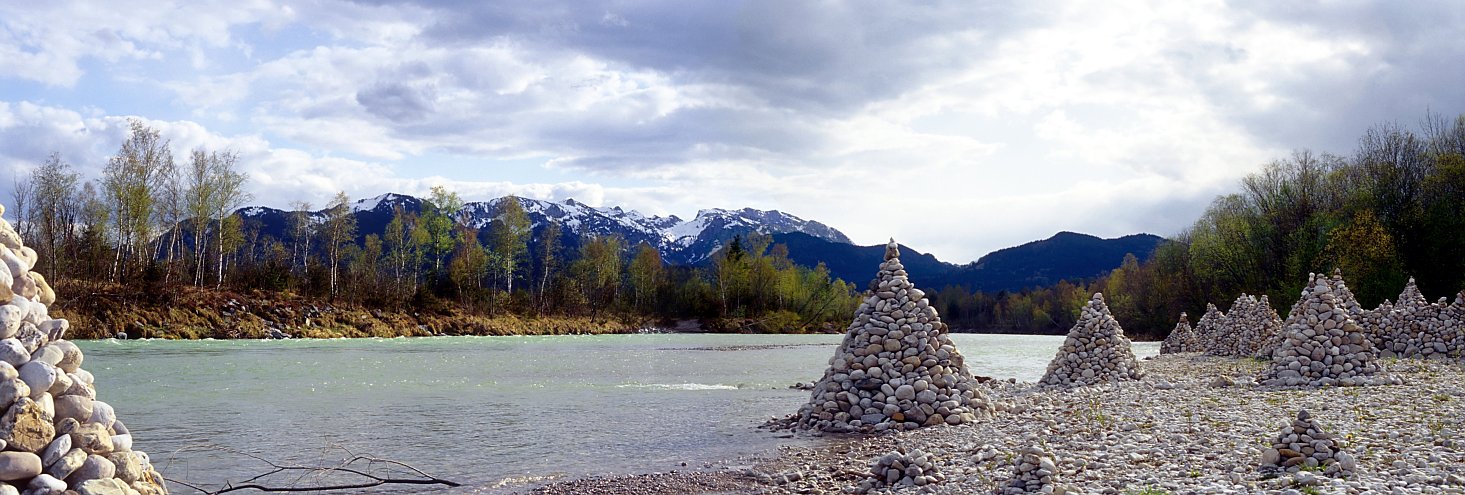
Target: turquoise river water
493 413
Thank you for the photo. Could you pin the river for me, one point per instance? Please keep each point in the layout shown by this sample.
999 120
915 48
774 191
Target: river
489 412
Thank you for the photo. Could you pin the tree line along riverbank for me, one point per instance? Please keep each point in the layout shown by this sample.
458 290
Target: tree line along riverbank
104 310
1393 208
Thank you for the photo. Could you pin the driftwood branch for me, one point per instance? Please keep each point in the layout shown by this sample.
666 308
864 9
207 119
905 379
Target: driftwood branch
355 472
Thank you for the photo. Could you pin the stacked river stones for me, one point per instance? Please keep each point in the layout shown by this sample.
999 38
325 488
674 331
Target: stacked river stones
1224 340
56 437
1096 351
1412 327
900 469
1297 315
1247 329
1303 445
1323 346
1210 329
1035 472
1350 302
1182 339
896 368
1267 328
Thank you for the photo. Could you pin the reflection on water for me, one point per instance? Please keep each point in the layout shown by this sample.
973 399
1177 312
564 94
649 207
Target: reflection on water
480 410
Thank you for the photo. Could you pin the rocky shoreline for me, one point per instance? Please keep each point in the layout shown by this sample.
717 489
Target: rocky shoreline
1192 424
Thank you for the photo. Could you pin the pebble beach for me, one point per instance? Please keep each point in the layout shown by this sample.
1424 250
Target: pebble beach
1193 424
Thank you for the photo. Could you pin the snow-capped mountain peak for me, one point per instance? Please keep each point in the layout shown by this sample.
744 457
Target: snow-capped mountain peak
679 241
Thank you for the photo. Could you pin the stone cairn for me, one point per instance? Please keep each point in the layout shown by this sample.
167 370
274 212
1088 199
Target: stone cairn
1323 346
1182 338
1247 329
1209 329
901 469
56 437
896 369
1224 339
1414 328
1035 472
1410 328
1457 312
1297 315
1350 302
1269 328
1303 445
1095 352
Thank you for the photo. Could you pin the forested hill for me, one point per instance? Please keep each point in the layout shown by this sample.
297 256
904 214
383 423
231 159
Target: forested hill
1065 256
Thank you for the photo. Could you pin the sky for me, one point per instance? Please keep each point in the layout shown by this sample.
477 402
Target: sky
956 127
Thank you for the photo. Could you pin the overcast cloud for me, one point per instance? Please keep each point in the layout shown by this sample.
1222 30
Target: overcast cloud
958 127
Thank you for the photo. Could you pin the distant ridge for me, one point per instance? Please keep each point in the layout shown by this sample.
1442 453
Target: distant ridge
682 242
1064 256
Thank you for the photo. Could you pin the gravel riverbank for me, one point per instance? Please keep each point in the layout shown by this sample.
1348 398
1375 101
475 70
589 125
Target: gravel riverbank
1194 424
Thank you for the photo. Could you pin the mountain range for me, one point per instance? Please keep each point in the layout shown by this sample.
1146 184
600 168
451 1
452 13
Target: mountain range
1067 255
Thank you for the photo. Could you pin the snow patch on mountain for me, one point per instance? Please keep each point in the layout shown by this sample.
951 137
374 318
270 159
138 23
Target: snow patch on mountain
680 241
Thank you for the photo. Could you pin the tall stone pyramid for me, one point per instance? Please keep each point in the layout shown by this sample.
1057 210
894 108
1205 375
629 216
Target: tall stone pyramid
1226 339
897 368
1350 302
1298 308
1267 330
1323 346
1182 338
1096 351
56 435
1210 327
1294 315
1251 328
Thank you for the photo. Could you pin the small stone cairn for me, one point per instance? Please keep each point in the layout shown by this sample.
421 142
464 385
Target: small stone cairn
1303 445
1035 472
896 369
1323 346
1095 352
902 469
55 437
1182 338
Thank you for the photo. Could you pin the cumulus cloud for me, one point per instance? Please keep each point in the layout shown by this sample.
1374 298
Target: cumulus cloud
994 123
278 175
